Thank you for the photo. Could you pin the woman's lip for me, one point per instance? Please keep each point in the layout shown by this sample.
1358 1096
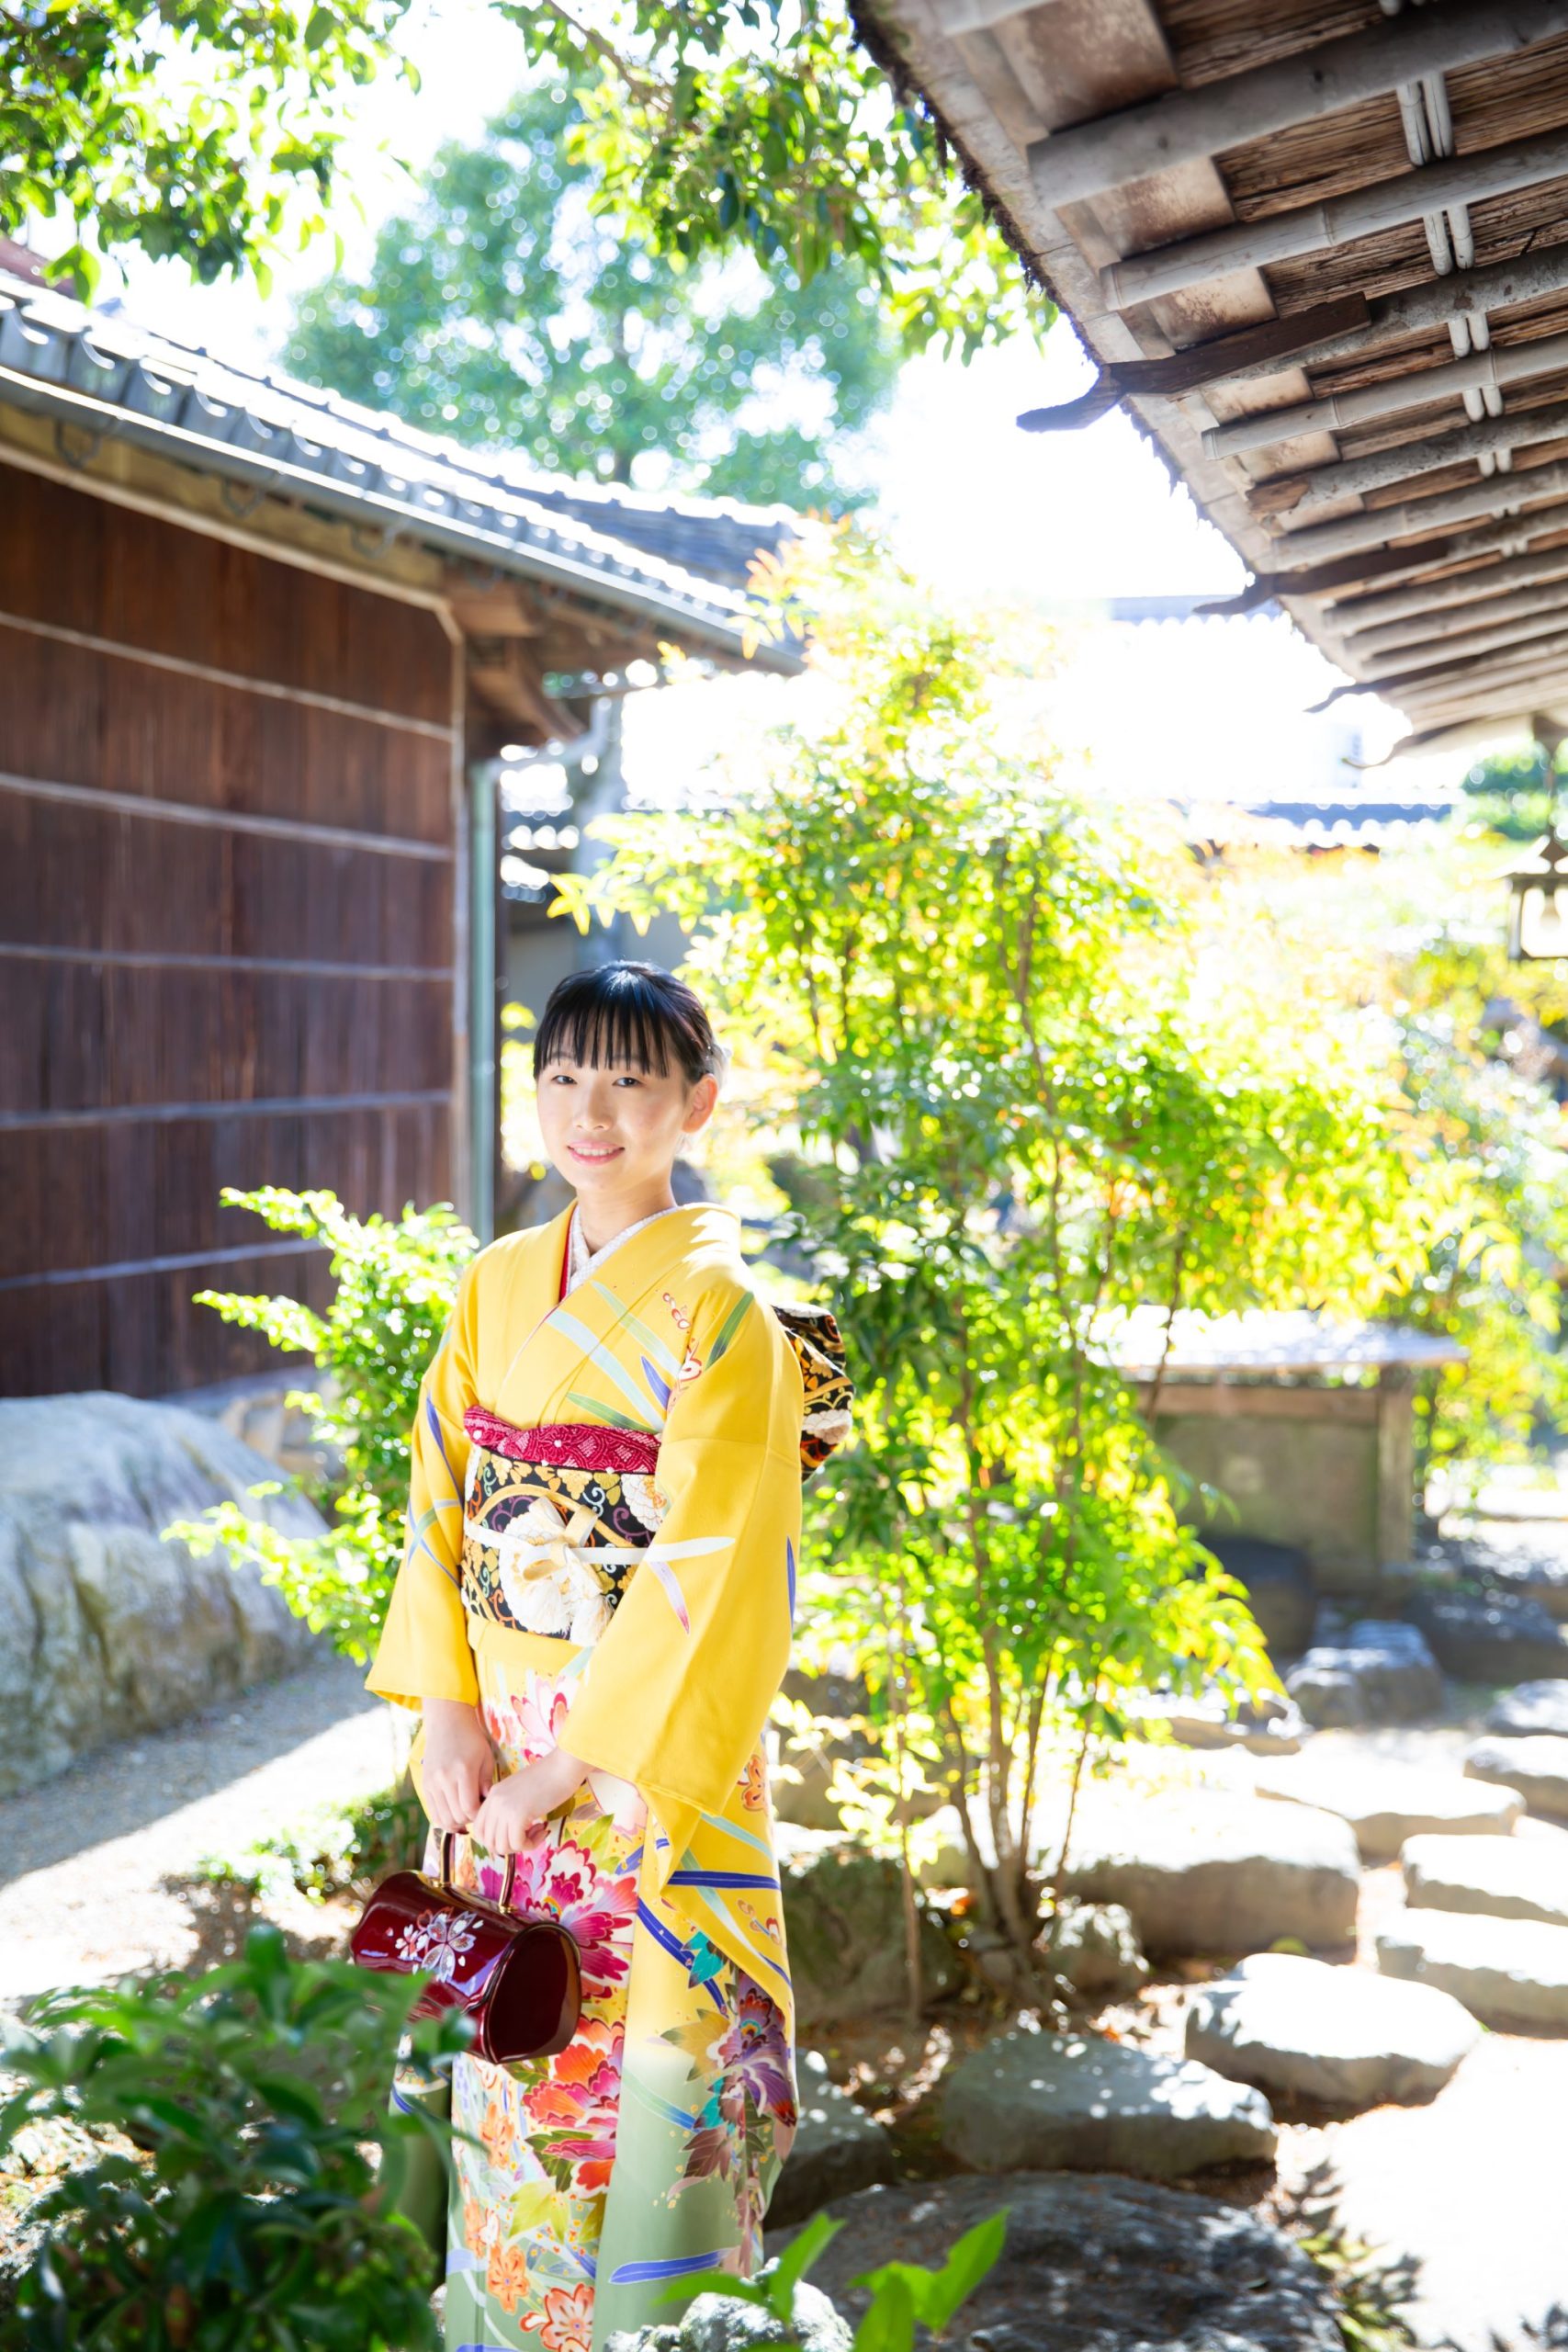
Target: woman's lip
578 1152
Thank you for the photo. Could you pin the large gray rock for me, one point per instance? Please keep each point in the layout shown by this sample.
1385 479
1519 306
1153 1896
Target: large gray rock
1094 1947
105 1631
1340 2037
1501 1877
723 2323
1535 1767
1382 1673
1386 1803
1529 1560
1533 1707
1502 1637
1508 1973
1079 2103
1215 1875
1094 2263
846 1936
837 2147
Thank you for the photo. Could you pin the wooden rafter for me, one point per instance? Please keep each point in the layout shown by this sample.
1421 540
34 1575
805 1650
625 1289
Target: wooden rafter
1323 253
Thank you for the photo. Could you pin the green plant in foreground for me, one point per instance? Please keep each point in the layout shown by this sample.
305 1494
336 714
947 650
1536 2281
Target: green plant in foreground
394 1285
246 2164
904 2295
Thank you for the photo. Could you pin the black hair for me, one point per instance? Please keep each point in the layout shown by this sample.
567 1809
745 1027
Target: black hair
627 1012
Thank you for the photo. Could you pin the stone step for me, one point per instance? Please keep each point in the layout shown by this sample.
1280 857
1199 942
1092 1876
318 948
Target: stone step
1498 1878
1340 2037
1081 2103
1531 1707
1535 1765
1512 1973
1386 1803
1217 1875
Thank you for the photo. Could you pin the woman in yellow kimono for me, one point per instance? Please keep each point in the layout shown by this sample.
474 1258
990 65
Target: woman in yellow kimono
592 1615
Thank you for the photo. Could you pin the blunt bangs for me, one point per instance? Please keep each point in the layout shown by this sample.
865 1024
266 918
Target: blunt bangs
630 1014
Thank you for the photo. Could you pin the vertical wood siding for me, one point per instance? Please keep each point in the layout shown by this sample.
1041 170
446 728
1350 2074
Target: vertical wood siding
226 929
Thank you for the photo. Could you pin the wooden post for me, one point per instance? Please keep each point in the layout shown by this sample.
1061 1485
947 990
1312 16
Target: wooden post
1396 1466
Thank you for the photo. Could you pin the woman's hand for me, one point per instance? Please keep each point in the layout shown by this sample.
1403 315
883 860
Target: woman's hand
457 1768
513 1815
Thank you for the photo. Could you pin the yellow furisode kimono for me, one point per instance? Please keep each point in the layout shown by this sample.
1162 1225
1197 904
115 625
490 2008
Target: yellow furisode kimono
604 1529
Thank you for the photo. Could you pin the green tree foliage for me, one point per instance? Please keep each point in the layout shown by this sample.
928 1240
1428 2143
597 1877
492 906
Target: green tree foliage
770 125
506 310
1023 1108
1488 1237
395 1285
712 126
247 2164
1409 949
189 128
1514 794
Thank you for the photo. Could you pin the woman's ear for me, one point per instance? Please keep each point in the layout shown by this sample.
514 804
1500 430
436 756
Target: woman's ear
700 1109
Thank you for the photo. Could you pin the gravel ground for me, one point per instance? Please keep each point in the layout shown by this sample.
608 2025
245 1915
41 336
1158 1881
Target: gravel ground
101 1871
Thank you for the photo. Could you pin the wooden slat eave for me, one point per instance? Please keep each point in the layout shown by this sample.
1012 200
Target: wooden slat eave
970 86
938 66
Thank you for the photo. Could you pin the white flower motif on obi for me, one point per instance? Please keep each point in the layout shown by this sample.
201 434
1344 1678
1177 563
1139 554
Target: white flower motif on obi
550 1577
647 1499
437 1940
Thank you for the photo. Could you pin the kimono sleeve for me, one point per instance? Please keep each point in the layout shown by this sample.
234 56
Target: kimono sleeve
423 1651
675 1695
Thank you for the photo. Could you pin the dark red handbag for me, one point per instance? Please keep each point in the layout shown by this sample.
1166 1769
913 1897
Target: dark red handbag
519 1979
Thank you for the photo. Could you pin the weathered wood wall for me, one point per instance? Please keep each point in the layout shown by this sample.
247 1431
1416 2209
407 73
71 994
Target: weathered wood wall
227 876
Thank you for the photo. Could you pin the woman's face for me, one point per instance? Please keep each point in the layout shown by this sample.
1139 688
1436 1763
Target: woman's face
614 1131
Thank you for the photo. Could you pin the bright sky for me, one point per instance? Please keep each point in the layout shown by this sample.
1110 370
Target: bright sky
969 501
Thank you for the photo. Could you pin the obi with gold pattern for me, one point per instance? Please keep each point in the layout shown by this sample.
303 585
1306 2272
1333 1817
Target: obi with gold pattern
557 1519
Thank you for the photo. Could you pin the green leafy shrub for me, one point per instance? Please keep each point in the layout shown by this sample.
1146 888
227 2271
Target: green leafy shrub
342 1849
395 1283
246 2164
972 1006
904 2295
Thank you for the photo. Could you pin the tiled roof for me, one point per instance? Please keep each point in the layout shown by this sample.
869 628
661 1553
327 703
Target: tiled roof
679 565
1327 820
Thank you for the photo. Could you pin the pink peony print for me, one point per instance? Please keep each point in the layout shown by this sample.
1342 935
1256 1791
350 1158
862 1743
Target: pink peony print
595 1907
578 2108
527 1723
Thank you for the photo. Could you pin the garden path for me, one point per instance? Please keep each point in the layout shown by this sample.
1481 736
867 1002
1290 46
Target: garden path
101 1869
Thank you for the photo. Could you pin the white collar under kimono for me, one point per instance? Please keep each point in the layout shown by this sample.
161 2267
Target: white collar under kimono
581 1261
